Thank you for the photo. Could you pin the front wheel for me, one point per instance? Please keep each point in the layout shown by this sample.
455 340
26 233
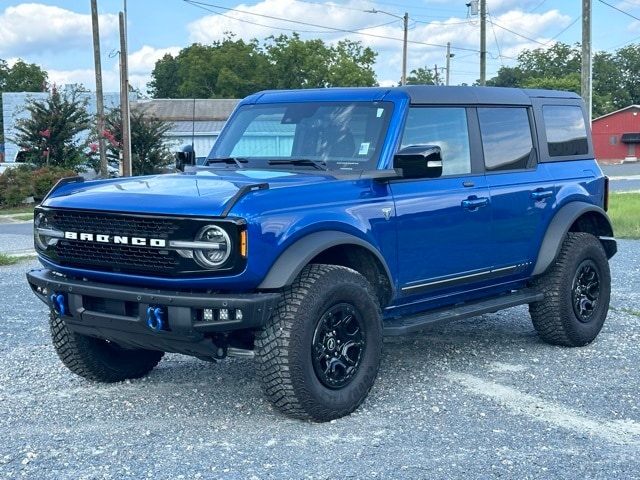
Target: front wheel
577 289
319 354
97 359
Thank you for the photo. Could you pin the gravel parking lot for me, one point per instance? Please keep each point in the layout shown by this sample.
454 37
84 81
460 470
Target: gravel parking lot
479 399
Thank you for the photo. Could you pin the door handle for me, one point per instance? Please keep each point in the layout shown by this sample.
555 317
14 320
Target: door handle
541 194
473 203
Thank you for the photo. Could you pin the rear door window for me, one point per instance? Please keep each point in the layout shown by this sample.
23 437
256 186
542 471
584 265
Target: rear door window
506 138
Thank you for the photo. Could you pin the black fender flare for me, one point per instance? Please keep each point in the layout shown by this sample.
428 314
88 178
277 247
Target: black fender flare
560 225
287 267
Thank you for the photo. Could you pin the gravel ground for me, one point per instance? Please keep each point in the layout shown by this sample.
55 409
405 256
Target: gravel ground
479 399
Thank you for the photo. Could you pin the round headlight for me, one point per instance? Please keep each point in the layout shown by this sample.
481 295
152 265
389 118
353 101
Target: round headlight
44 233
220 249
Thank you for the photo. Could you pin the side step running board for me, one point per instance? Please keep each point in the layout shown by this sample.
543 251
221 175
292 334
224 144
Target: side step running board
412 323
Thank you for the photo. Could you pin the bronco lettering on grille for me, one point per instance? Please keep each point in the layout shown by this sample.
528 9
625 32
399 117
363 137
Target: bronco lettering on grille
116 239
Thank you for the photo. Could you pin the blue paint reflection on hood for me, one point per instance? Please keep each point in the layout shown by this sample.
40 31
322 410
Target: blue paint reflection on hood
198 192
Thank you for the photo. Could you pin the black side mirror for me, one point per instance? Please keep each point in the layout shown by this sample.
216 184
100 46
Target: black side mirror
186 156
419 161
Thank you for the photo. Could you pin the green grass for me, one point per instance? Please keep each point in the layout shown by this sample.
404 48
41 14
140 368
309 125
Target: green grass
624 211
26 216
7 260
20 213
18 210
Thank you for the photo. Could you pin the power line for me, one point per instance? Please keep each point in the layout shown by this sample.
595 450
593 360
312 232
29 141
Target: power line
619 10
327 29
564 30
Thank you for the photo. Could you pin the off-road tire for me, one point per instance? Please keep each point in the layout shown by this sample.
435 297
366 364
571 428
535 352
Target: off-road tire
319 354
99 360
577 289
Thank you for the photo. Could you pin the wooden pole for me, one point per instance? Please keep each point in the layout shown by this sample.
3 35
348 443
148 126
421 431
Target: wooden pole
99 95
124 101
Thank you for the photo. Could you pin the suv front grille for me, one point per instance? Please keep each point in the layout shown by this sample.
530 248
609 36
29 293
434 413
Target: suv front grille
134 244
117 257
139 226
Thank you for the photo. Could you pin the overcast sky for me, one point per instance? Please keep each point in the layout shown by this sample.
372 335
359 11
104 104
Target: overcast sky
57 34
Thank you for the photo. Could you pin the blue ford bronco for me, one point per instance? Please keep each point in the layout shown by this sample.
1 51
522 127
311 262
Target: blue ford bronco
324 220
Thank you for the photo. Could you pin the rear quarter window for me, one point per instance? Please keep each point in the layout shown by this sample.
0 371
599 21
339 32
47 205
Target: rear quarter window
565 130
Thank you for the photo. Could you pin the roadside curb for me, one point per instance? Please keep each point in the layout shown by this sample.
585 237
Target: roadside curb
27 253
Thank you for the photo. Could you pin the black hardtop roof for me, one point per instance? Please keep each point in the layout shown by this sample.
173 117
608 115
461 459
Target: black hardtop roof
418 94
432 94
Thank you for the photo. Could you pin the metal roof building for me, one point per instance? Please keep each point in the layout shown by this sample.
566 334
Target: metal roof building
194 122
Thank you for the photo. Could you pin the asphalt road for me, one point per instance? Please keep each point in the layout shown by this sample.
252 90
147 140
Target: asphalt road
478 399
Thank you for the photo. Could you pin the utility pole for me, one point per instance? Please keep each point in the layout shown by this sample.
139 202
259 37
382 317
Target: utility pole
124 100
586 88
405 24
483 42
99 98
449 55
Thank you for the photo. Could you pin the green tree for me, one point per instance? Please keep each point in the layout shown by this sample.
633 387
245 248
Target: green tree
508 77
608 92
165 78
227 69
352 65
235 69
614 76
554 62
294 63
556 67
21 77
50 134
421 76
149 153
627 63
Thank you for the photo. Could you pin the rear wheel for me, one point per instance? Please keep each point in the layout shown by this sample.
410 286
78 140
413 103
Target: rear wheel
97 359
577 290
319 354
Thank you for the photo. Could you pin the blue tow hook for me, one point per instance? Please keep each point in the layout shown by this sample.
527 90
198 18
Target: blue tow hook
154 318
57 303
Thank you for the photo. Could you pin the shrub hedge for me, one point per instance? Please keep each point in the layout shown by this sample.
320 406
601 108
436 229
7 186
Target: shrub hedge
24 184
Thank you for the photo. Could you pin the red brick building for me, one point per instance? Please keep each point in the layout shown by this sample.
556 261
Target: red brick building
616 136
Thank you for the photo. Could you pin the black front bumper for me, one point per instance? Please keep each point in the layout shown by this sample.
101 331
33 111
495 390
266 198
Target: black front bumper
171 321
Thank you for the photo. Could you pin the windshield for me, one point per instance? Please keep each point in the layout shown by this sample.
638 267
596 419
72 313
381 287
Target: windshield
310 135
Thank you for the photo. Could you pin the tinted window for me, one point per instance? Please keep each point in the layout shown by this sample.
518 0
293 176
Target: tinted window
506 138
565 129
444 127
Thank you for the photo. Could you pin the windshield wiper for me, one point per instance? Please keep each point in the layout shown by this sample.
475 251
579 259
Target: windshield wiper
300 162
229 160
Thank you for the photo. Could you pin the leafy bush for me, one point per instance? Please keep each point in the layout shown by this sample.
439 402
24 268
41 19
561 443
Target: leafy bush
50 135
18 185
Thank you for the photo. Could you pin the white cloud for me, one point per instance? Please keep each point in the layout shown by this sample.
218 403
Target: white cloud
273 17
142 63
87 78
144 60
31 28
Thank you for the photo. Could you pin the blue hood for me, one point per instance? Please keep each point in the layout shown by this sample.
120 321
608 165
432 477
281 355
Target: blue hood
200 192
